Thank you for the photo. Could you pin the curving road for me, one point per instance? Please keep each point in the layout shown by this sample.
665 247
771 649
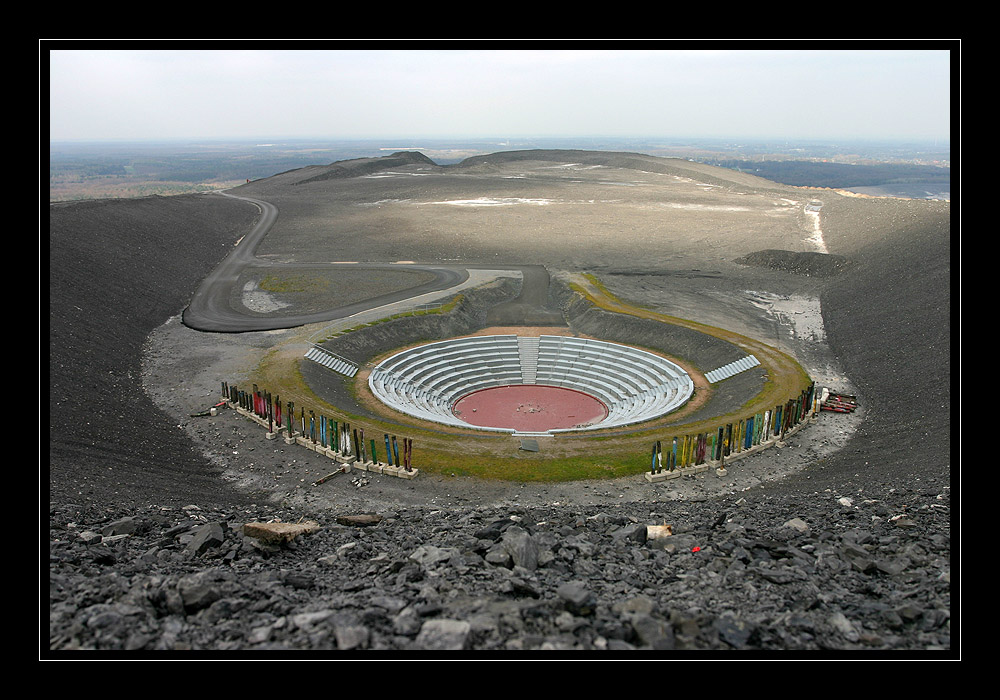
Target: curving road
210 308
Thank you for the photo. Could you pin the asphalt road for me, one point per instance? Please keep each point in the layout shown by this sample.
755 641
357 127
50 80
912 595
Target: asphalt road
210 308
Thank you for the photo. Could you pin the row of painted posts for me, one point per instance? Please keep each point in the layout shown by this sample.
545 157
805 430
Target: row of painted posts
733 439
339 440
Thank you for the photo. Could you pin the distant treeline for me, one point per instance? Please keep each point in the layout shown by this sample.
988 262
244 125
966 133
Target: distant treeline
838 175
193 169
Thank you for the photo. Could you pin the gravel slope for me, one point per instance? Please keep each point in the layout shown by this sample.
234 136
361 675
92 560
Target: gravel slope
850 554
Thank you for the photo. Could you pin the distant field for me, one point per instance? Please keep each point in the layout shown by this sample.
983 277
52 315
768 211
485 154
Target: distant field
843 175
129 170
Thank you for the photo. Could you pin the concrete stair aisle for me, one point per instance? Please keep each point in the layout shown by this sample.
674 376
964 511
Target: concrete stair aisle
331 361
528 350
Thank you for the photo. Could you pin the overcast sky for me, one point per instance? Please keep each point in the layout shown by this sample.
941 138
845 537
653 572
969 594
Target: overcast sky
279 94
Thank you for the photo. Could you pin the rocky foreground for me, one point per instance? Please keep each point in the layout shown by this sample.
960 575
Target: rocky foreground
739 573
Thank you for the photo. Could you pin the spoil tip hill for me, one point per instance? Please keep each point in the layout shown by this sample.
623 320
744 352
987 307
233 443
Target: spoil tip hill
635 219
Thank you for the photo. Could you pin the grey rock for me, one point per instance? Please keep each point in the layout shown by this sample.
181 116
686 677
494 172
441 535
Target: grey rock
843 626
675 543
429 555
443 635
892 567
797 524
208 536
494 530
638 605
634 532
734 632
521 546
201 589
90 537
857 557
309 621
124 526
577 597
653 632
112 539
499 556
352 636
407 622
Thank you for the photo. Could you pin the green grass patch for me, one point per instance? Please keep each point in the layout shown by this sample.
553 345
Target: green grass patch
294 283
445 308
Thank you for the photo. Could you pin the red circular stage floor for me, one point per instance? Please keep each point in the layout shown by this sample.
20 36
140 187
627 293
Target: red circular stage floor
529 408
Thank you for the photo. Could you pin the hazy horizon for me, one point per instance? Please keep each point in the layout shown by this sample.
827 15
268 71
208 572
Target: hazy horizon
824 94
265 141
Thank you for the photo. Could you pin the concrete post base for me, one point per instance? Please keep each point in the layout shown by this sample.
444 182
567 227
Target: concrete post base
400 472
662 476
385 469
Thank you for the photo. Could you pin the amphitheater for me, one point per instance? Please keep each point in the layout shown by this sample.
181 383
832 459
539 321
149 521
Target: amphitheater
525 348
428 381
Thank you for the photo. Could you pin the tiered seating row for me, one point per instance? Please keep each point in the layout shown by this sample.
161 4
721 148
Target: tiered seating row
427 381
635 385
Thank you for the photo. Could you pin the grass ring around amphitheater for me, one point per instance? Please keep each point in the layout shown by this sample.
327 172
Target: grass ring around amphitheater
593 454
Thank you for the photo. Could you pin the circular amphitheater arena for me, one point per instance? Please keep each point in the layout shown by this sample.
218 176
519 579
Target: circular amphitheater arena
526 385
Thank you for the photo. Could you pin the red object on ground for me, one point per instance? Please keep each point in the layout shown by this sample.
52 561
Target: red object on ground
529 408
